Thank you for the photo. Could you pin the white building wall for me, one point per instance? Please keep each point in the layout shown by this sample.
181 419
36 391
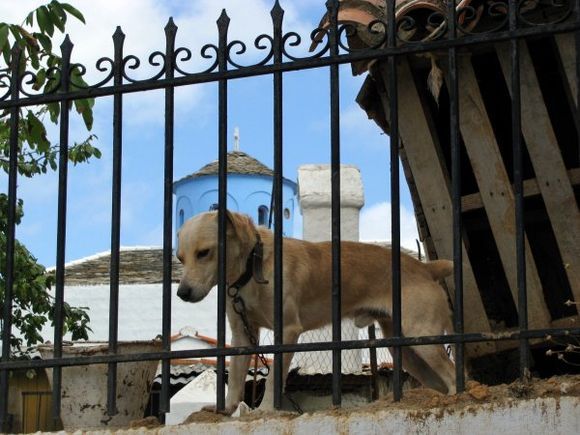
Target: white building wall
140 312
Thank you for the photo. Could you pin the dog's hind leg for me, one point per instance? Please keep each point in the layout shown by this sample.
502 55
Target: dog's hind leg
434 318
433 368
415 364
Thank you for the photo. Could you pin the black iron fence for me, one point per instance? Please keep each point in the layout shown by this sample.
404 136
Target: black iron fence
446 30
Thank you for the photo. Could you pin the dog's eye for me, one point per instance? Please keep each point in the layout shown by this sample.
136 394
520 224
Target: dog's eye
202 253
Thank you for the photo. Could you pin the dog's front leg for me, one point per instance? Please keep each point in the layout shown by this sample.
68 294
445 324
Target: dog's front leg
291 334
238 371
238 366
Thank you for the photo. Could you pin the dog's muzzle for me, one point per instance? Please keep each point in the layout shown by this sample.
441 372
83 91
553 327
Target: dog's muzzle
184 292
188 294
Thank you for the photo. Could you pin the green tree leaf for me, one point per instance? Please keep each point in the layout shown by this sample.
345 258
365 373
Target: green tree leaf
74 12
40 79
3 35
56 8
56 18
54 111
44 20
44 41
15 30
30 19
84 108
6 54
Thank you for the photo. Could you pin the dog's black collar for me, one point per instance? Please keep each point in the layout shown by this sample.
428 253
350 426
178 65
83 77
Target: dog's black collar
253 268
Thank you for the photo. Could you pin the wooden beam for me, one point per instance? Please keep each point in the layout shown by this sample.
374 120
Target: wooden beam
551 176
567 48
566 322
496 191
473 201
431 183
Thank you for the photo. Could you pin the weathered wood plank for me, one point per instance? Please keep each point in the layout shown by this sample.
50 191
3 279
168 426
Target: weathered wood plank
473 201
567 48
431 184
567 322
496 191
551 176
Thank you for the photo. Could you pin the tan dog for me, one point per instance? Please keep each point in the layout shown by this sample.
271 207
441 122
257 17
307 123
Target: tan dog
307 271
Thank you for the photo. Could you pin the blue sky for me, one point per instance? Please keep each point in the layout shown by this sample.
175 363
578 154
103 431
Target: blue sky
306 124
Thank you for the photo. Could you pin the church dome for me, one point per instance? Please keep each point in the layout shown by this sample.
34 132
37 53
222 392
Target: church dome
238 163
249 191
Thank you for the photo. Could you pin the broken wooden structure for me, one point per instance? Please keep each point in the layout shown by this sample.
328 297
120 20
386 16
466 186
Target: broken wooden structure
551 156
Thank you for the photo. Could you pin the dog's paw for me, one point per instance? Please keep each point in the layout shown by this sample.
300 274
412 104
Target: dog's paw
267 403
229 410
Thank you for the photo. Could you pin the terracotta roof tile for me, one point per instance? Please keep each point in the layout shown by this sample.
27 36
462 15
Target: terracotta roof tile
423 20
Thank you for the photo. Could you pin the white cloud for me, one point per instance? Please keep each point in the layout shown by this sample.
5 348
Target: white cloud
375 225
143 22
41 189
355 123
154 237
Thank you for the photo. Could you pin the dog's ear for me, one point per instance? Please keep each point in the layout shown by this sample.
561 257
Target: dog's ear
231 220
241 226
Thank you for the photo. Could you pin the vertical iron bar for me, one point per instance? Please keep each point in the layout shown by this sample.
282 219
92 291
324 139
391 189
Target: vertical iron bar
395 202
10 235
66 49
223 24
577 52
170 32
332 6
118 38
373 361
518 192
456 197
277 14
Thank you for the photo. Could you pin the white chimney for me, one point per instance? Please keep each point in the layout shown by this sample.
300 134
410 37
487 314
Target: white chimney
314 195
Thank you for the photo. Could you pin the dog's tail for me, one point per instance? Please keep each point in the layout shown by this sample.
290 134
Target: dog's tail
439 269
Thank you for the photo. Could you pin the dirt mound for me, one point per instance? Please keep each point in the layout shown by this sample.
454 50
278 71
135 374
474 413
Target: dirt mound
426 401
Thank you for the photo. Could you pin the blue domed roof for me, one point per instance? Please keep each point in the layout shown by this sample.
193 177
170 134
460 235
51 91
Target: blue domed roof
250 184
238 163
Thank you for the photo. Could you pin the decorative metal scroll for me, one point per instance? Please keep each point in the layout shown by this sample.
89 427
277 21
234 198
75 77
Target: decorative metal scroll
357 28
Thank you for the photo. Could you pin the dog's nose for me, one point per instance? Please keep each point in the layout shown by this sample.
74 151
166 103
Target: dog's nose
183 292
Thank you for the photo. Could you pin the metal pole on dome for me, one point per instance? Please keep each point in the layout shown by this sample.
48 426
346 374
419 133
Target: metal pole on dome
236 139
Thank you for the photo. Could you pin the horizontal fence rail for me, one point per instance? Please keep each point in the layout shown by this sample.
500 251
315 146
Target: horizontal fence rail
299 347
452 31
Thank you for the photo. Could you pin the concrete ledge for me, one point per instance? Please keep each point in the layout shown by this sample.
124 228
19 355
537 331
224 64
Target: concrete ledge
537 416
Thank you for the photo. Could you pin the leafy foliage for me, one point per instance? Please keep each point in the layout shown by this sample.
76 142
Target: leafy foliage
33 306
37 153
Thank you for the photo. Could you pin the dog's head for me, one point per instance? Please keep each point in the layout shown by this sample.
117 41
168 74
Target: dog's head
198 252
